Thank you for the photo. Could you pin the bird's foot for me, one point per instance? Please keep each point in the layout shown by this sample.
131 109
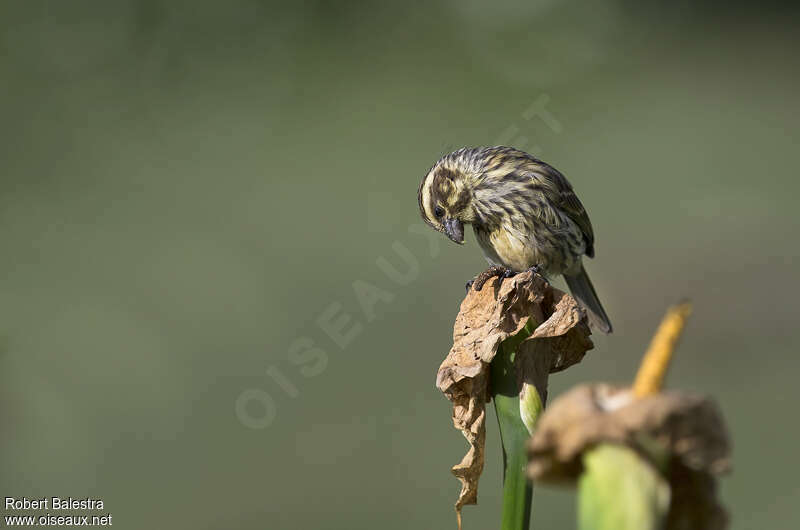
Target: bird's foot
498 271
536 269
491 272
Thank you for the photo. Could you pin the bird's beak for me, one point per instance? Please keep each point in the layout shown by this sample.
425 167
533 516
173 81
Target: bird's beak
454 230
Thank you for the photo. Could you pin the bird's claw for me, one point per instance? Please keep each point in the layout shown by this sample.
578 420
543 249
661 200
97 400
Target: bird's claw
536 269
491 272
498 271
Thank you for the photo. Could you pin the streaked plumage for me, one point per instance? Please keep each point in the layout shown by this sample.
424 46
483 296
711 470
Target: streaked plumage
523 211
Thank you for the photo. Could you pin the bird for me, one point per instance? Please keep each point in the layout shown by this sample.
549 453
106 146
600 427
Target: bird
524 214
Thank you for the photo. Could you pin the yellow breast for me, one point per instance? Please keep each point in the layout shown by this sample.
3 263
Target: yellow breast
509 248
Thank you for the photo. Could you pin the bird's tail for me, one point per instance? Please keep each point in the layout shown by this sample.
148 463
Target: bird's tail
583 290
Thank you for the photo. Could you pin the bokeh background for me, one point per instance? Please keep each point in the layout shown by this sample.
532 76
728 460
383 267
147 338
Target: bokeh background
185 187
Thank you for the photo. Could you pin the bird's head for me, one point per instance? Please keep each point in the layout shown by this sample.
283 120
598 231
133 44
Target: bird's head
445 197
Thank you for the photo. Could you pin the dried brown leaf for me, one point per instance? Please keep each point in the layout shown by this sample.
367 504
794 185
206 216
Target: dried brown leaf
690 428
500 310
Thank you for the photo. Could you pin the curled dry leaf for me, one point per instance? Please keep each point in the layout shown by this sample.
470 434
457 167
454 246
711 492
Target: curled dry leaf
500 310
688 428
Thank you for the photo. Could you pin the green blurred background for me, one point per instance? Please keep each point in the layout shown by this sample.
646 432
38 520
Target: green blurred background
185 187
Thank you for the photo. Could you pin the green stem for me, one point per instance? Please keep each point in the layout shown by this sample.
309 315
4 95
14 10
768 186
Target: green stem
514 434
620 490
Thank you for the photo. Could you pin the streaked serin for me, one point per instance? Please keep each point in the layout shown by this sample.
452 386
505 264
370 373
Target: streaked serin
523 211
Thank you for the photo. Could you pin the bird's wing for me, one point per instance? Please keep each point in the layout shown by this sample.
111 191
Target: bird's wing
564 197
556 187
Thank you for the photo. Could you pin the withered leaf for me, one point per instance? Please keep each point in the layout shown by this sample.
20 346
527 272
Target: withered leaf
689 426
500 310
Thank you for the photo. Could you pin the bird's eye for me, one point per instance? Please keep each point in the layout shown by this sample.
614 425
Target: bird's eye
438 212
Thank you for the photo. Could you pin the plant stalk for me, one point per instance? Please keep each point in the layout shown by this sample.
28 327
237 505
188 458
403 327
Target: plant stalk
620 490
516 417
